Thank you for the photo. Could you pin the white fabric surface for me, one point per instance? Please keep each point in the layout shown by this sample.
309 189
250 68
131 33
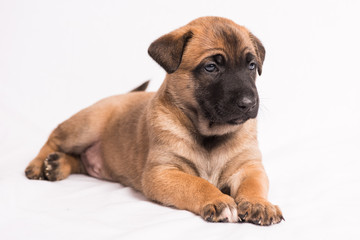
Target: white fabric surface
57 57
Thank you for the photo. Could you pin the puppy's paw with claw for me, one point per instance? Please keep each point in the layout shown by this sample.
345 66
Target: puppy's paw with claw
259 212
55 167
222 209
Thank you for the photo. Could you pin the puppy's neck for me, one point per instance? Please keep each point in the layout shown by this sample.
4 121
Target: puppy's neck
170 102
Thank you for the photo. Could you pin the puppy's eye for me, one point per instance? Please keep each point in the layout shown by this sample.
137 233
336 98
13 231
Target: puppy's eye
252 65
210 67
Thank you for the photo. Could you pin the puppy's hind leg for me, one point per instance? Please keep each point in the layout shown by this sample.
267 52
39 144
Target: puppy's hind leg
35 169
52 164
60 156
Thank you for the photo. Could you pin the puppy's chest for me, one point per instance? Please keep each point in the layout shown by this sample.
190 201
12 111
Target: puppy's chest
212 157
210 166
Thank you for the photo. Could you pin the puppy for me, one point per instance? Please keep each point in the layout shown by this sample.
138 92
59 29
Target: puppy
192 144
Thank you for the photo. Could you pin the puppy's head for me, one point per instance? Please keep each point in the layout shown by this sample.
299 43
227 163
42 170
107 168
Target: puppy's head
212 64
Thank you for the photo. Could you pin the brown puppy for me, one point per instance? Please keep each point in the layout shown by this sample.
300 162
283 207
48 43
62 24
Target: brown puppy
192 144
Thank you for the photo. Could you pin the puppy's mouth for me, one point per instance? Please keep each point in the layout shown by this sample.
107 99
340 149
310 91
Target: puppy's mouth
222 116
238 121
232 120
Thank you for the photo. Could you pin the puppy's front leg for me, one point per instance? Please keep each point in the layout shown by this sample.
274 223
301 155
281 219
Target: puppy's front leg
170 186
251 196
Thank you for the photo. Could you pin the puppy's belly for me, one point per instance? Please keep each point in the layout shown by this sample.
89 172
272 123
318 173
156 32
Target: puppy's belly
92 161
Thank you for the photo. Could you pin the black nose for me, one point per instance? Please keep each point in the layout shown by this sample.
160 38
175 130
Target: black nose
247 104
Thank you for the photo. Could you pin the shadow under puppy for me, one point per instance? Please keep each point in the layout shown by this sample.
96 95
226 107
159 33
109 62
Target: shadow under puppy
193 143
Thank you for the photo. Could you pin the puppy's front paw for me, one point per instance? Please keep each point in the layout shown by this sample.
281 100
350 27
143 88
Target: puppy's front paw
259 212
222 209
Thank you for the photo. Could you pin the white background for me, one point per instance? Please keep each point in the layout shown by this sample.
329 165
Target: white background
57 57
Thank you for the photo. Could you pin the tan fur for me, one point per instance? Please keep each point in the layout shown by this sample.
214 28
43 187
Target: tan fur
149 141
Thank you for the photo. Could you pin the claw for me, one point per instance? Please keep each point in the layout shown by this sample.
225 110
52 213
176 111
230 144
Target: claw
210 218
224 220
243 216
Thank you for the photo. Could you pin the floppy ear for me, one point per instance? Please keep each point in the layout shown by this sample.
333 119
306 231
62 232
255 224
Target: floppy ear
167 50
260 51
